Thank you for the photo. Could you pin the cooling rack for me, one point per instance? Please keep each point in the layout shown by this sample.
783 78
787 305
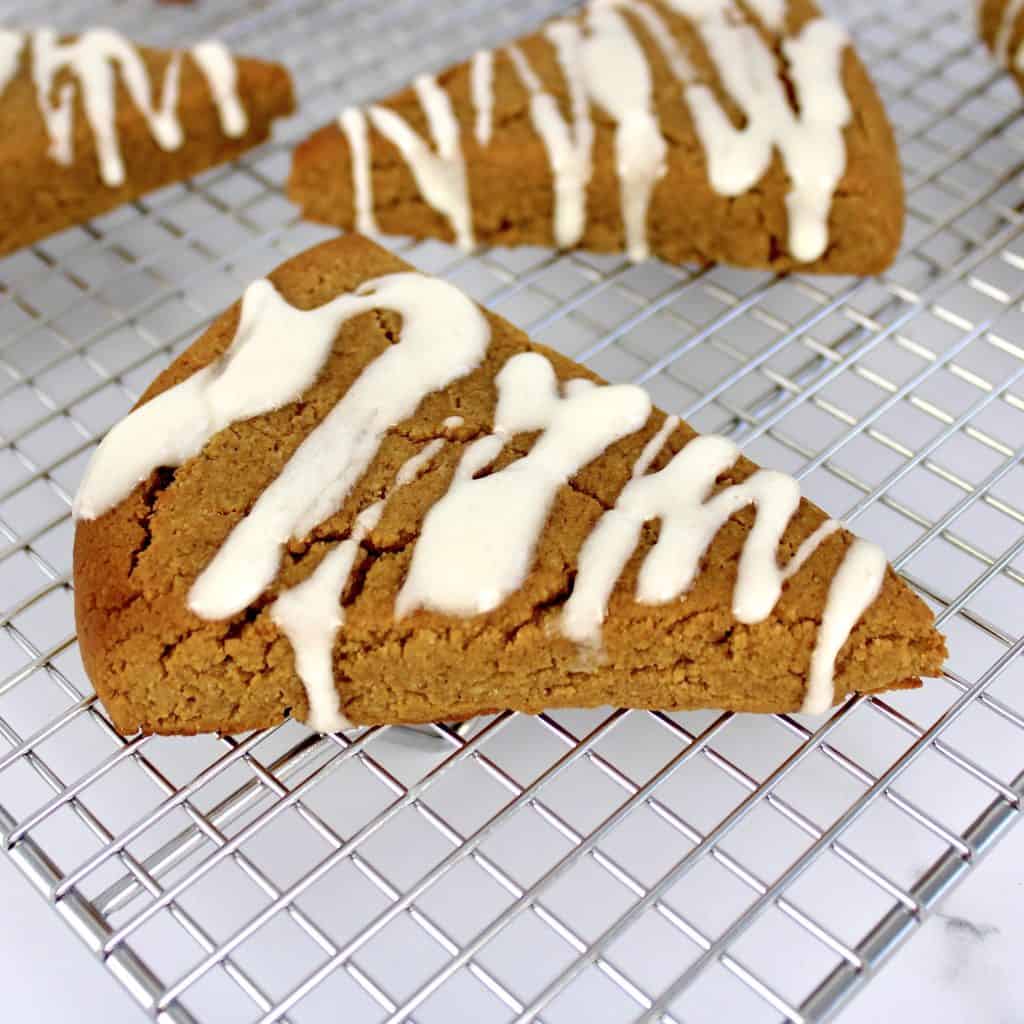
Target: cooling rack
598 865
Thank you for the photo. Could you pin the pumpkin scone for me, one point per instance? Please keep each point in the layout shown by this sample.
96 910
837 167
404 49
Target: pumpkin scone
360 498
90 122
737 131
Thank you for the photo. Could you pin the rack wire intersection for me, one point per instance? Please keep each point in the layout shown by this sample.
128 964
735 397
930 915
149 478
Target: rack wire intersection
598 865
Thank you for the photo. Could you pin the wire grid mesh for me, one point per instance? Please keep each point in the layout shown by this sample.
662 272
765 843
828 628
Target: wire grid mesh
595 865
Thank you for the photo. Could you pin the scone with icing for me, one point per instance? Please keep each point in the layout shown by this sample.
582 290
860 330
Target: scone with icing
1001 25
691 130
92 121
359 498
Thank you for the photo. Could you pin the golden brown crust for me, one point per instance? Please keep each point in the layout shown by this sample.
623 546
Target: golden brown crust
510 181
38 196
158 667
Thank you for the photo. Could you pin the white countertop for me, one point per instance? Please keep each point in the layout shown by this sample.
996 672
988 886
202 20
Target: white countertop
963 965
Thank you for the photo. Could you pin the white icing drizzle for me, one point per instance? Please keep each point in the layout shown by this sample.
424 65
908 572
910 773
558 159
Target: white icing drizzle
602 61
771 12
656 443
413 466
812 146
854 587
618 79
453 423
11 45
568 146
679 496
93 60
481 85
811 142
440 176
276 354
311 614
526 73
655 25
808 547
564 36
444 337
221 72
477 543
353 124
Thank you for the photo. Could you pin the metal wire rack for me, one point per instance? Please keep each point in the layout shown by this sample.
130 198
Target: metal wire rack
599 865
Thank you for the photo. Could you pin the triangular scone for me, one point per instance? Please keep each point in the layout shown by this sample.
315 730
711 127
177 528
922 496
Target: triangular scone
90 122
1001 25
345 468
693 130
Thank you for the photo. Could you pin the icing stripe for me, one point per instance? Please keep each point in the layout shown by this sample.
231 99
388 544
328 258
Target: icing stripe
529 79
618 79
353 124
812 145
440 177
311 614
811 142
568 148
771 12
603 62
444 129
651 449
655 25
809 546
854 588
221 73
679 496
444 336
276 354
565 37
415 464
481 84
477 543
93 60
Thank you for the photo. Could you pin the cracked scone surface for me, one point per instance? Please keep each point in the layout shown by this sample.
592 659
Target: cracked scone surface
510 181
159 667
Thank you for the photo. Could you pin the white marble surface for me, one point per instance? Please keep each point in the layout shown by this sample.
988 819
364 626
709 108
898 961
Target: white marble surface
963 965
33 942
965 962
